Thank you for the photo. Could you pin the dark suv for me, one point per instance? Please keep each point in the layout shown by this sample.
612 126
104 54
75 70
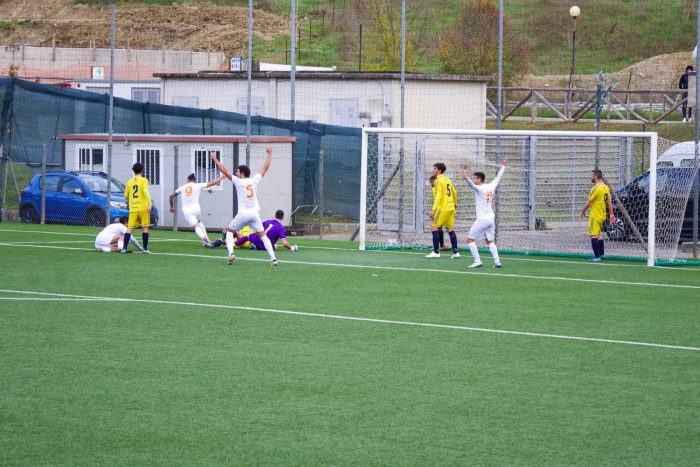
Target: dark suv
635 198
75 198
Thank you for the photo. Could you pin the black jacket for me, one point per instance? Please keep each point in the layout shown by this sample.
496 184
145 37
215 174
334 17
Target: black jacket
683 82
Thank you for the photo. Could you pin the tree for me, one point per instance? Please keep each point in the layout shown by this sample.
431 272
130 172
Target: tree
470 46
382 49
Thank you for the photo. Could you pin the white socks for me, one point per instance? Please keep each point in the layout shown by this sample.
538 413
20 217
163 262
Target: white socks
475 252
268 246
201 232
494 252
229 242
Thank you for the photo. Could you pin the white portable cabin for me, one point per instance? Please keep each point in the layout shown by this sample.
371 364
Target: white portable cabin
169 159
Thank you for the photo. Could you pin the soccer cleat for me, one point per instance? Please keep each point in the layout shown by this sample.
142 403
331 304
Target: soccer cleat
231 259
497 265
684 120
454 256
208 244
274 262
433 255
596 260
475 265
123 251
146 252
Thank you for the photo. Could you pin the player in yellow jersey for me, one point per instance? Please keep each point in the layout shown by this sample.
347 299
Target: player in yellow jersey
441 232
600 202
443 211
139 200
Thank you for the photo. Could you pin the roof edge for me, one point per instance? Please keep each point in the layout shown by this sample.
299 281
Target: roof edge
346 75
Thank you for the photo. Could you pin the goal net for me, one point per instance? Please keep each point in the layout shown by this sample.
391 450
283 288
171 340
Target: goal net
539 199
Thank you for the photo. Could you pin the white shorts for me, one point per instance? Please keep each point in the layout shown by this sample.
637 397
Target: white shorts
192 214
103 242
251 219
483 228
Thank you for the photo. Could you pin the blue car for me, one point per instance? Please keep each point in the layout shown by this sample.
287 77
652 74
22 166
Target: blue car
78 198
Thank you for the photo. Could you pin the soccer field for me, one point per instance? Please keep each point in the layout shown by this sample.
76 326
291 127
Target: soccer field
339 357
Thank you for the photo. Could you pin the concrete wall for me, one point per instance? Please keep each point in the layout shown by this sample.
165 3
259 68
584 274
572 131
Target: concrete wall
50 64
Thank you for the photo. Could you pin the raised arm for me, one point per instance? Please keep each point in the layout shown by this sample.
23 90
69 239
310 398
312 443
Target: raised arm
266 165
216 181
496 180
220 166
465 175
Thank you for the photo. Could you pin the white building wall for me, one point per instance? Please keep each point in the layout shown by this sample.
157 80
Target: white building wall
122 89
429 103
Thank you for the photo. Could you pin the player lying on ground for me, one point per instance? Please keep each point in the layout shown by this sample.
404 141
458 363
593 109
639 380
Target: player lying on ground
274 229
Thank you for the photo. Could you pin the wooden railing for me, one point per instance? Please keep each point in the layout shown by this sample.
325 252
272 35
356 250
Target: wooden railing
647 106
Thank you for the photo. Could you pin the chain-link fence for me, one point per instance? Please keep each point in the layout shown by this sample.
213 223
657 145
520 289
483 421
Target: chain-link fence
321 175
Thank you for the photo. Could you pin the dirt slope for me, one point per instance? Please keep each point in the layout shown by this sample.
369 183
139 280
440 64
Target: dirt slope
201 27
660 72
206 27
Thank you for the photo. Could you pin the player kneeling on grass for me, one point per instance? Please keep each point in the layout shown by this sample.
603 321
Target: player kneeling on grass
484 226
111 238
190 204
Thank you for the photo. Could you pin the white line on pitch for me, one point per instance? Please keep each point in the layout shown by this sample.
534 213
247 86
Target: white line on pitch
396 268
357 318
529 259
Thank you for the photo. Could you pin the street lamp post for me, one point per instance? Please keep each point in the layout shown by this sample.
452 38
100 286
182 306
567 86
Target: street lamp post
574 12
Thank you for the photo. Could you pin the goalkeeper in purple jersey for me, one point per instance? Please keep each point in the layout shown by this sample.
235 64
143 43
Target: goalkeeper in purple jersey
273 229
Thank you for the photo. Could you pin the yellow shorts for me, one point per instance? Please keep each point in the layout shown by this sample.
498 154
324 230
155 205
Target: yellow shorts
595 226
142 218
444 219
244 232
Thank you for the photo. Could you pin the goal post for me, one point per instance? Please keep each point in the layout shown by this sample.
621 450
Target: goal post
539 199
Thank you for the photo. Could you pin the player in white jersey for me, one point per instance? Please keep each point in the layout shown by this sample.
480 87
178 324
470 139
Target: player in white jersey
111 238
484 226
190 192
248 207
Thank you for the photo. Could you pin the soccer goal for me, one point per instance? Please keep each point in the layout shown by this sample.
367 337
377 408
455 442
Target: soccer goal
539 200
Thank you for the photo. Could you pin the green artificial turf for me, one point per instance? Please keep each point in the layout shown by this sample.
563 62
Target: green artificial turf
339 357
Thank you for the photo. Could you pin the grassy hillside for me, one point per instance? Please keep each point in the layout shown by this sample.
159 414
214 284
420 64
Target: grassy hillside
672 132
611 34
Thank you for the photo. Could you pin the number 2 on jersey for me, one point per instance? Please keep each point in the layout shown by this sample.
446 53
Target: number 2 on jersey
136 192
